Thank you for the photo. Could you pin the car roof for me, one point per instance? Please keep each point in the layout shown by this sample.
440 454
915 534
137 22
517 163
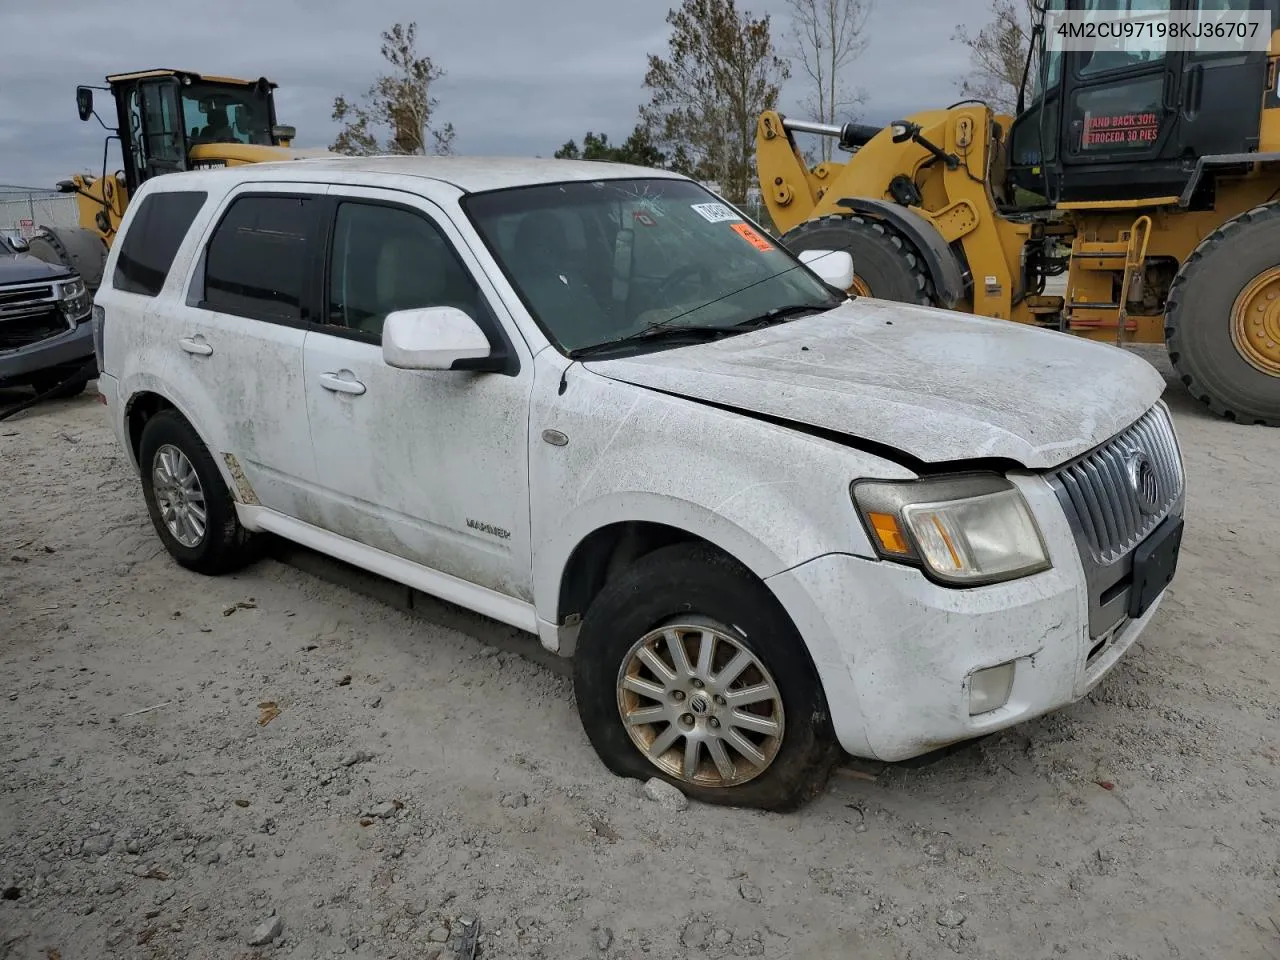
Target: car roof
467 174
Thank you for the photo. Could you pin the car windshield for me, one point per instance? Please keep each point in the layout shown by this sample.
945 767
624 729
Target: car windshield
223 113
602 260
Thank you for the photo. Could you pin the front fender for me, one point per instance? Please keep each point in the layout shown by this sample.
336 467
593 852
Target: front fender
770 496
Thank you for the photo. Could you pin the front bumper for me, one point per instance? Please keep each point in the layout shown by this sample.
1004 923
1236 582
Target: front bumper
68 350
896 652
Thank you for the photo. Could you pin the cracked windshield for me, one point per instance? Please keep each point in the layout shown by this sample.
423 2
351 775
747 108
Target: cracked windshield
603 261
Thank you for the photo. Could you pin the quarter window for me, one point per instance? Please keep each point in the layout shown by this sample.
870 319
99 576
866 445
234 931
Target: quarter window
152 241
387 258
257 259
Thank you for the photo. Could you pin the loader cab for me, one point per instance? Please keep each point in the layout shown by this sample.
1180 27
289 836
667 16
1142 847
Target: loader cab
162 115
1125 118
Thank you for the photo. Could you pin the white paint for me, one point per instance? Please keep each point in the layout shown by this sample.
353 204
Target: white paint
442 480
833 266
937 385
431 338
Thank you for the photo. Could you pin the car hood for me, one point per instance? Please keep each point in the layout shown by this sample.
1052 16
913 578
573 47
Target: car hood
24 268
935 385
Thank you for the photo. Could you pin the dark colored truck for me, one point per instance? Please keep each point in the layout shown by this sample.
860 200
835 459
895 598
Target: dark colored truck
45 334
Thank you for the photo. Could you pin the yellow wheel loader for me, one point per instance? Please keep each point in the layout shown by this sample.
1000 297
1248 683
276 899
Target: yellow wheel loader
165 120
1155 172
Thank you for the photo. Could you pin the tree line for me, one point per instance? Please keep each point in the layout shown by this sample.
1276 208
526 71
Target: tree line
721 69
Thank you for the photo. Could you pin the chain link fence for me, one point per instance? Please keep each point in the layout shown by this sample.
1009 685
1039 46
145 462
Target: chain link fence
22 209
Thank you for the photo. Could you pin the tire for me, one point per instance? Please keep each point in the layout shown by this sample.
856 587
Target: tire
223 545
75 248
1200 314
886 265
692 584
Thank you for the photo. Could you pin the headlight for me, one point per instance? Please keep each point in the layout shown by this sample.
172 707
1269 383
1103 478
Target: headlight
962 530
73 299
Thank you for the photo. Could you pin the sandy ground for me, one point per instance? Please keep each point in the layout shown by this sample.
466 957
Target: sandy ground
420 778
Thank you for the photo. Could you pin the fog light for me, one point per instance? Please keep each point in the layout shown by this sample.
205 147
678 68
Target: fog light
989 689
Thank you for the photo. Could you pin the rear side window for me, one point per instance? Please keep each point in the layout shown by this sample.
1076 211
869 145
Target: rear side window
152 241
258 258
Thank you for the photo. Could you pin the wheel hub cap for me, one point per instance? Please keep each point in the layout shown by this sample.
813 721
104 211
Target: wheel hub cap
179 495
859 287
700 706
1255 322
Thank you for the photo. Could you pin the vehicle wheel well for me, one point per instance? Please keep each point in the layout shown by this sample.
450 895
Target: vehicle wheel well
142 408
606 552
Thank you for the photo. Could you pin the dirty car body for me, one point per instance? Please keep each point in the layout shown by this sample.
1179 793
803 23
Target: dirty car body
768 523
45 335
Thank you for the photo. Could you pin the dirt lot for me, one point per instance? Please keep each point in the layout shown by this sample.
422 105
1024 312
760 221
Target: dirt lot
421 777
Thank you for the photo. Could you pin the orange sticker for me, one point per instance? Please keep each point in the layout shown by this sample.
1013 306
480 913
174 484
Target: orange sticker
753 238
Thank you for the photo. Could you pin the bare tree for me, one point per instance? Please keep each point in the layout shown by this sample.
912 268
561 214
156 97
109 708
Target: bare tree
400 102
720 74
998 54
826 37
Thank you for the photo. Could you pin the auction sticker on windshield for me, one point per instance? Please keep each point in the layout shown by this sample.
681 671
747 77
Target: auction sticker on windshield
716 212
753 238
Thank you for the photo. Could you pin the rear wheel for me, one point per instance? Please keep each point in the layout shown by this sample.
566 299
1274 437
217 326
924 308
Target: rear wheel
190 507
885 264
688 670
1222 320
75 248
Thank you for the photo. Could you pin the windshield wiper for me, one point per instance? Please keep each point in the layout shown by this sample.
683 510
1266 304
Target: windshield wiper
658 331
789 312
665 329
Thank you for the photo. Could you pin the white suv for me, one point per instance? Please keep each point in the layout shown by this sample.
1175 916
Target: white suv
594 402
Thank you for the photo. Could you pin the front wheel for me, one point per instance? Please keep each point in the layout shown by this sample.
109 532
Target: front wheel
687 669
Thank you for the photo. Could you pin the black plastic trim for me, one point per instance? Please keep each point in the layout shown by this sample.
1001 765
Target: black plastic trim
1219 160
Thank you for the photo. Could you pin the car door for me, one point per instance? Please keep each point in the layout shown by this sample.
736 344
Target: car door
239 338
430 466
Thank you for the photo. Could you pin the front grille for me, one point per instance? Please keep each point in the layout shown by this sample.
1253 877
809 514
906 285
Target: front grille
28 314
1113 499
18 300
24 331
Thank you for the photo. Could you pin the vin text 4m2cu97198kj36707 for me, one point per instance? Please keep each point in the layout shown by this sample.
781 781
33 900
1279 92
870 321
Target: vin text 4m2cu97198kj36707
768 522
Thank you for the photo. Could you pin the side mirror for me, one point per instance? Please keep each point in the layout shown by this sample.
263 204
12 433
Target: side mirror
834 267
20 244
84 102
432 338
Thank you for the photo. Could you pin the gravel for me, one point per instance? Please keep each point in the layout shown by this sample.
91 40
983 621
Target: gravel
1143 817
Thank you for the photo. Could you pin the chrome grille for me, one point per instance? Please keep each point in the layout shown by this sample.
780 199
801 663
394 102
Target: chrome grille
1120 491
22 300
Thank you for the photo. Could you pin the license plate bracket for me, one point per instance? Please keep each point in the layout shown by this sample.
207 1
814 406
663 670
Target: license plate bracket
1154 563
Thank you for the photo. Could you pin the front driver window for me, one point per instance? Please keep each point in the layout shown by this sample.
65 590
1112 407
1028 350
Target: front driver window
388 258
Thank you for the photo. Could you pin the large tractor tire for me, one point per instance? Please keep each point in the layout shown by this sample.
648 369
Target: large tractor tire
885 264
75 248
1222 319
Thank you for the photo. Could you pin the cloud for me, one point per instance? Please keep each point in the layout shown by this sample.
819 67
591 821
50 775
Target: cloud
521 78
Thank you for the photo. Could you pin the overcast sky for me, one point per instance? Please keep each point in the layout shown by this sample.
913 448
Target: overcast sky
522 77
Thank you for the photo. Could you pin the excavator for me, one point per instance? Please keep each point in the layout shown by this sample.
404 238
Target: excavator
1147 173
165 120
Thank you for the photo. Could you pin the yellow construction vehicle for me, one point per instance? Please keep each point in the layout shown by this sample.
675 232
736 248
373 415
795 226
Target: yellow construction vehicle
1157 179
165 121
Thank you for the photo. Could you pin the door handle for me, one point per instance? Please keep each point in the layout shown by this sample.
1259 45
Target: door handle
331 381
199 347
